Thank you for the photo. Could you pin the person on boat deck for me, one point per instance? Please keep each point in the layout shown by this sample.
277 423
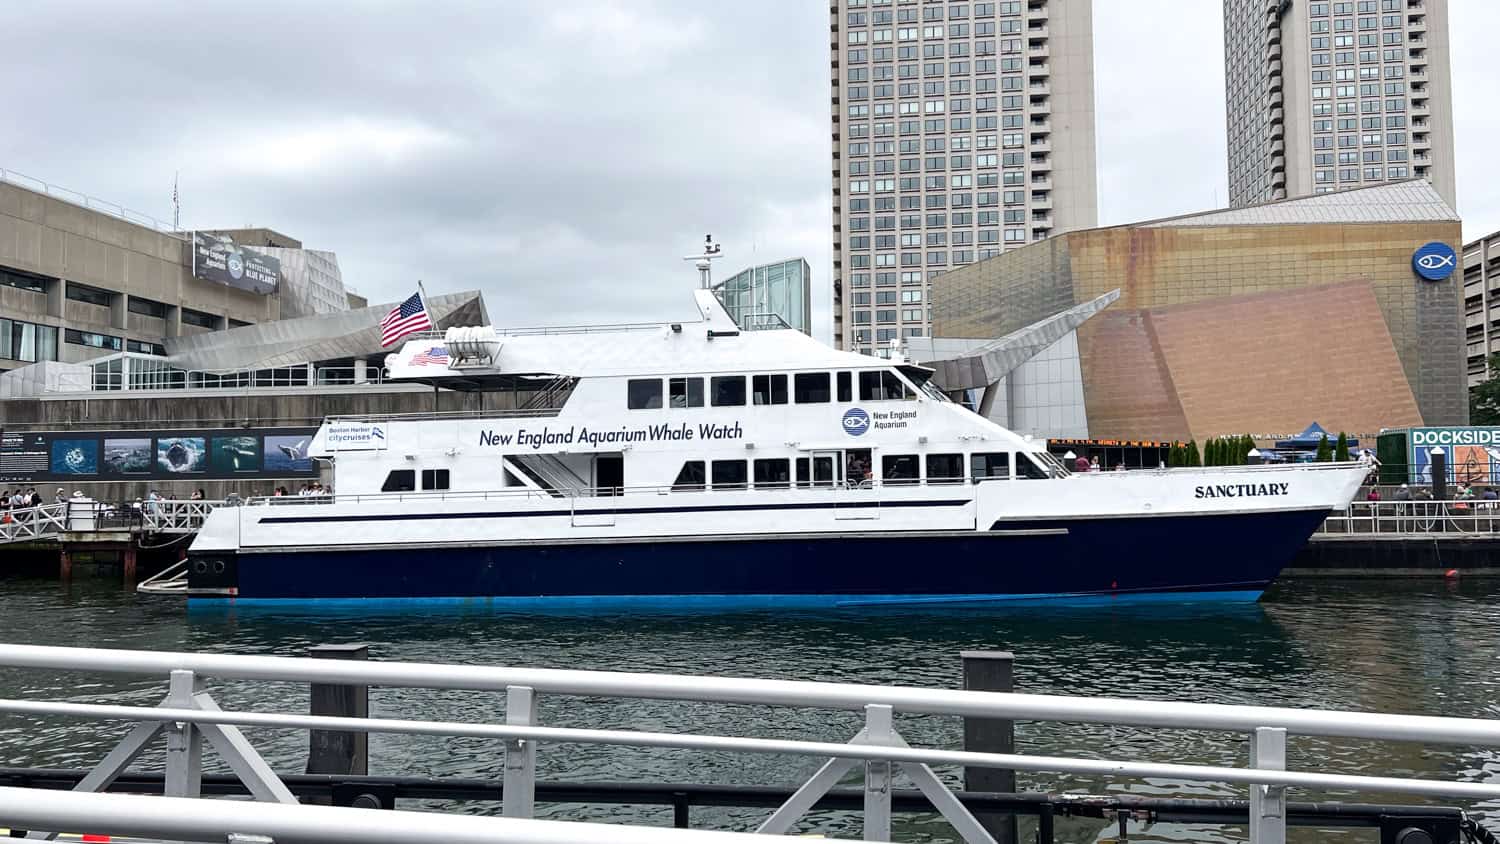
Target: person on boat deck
1094 465
1081 464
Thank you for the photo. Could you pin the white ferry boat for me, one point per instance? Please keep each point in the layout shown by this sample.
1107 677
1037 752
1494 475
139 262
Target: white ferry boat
696 463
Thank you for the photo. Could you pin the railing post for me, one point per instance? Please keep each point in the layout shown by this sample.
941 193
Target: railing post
331 751
519 798
184 776
878 731
991 671
1268 802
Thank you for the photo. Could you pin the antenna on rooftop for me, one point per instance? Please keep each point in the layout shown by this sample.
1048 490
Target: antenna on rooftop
710 252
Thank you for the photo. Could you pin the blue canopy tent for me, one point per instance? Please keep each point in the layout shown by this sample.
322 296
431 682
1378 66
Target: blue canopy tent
1309 439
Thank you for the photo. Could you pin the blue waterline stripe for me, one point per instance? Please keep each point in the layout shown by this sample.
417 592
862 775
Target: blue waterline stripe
746 602
511 514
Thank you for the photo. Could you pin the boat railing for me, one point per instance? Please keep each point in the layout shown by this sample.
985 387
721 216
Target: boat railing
511 413
191 720
532 331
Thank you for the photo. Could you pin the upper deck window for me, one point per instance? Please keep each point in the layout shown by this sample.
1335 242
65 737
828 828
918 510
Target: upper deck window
400 480
730 474
434 479
643 394
882 385
685 392
727 390
768 389
987 466
846 386
812 387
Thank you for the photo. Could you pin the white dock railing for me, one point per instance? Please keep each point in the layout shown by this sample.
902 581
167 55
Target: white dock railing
189 718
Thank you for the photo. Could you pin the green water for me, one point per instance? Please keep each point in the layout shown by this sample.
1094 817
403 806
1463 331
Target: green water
1400 646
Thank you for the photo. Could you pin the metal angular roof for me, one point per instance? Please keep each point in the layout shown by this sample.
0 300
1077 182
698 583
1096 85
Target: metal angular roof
1414 200
289 342
987 361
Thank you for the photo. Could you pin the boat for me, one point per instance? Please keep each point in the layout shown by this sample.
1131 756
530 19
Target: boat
701 463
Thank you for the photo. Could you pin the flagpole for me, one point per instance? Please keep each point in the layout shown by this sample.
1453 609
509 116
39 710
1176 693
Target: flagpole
422 294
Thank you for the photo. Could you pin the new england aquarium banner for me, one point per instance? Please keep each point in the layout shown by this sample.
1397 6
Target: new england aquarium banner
1473 454
217 258
228 453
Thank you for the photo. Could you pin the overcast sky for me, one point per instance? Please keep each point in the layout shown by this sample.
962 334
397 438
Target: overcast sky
563 156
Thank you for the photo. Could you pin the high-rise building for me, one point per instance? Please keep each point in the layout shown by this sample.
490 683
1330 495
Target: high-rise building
1326 96
960 129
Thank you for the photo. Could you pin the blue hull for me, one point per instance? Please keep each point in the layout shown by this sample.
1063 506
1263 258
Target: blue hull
1150 558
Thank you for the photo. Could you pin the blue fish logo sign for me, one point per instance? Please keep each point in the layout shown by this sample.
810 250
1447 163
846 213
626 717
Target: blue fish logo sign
1434 261
856 422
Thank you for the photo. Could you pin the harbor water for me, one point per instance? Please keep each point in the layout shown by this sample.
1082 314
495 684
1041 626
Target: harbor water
1414 646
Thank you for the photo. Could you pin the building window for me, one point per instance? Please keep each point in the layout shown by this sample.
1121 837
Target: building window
89 338
92 295
146 307
25 341
23 281
198 318
143 348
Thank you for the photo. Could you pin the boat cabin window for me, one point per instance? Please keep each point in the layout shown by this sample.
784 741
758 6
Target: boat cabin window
691 476
434 479
727 390
1028 469
900 469
685 392
643 394
945 468
400 480
812 387
882 385
768 389
983 467
821 468
773 473
846 386
730 474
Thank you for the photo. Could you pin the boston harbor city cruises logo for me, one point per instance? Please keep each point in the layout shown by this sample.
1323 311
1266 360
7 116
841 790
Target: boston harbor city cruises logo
1434 261
856 422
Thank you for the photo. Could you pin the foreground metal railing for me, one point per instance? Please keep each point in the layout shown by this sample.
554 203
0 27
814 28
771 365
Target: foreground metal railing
189 718
257 823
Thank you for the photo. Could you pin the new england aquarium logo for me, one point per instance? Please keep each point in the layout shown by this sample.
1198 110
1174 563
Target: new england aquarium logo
856 422
235 264
1434 261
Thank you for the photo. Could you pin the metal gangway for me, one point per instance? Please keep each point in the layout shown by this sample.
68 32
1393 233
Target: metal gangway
192 722
86 516
1425 518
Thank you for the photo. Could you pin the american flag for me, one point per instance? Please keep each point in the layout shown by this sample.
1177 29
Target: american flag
435 356
405 318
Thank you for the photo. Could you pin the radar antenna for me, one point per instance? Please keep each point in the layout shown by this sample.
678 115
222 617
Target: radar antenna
710 252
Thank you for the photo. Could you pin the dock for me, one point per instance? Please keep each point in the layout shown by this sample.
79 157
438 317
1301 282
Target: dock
82 528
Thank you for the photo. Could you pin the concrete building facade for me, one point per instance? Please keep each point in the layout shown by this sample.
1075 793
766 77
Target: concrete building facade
1481 267
1325 96
960 130
77 282
1254 320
